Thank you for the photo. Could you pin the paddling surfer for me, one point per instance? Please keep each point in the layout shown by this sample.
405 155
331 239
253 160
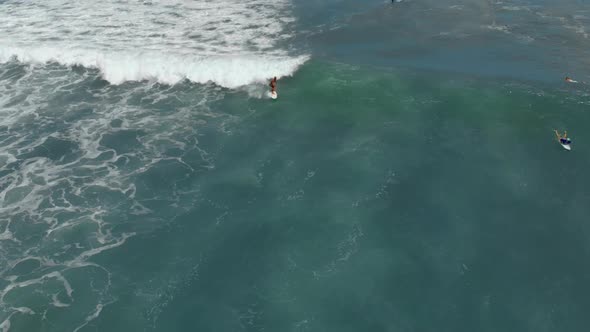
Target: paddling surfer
563 139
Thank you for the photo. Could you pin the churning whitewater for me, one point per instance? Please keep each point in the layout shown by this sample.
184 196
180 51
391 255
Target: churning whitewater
69 166
225 42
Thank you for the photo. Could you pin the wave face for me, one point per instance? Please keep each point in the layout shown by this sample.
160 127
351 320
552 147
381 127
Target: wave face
228 43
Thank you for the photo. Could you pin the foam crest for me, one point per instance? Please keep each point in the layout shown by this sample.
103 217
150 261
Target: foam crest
226 70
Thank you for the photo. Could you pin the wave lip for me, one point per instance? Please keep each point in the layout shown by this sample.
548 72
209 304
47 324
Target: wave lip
230 71
226 42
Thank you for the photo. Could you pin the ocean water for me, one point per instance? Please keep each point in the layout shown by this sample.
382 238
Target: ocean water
406 179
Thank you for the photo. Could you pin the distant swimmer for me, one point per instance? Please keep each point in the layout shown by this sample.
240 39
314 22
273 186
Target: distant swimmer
273 88
569 80
564 140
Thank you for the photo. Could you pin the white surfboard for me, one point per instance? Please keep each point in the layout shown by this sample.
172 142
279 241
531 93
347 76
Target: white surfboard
566 146
273 95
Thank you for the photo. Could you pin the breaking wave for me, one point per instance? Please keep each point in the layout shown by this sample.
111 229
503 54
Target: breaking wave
224 70
225 42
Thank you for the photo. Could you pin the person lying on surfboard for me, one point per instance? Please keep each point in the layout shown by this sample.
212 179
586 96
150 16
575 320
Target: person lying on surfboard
569 80
563 139
273 84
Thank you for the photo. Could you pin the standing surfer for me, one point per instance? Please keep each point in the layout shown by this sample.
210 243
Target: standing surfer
273 85
273 88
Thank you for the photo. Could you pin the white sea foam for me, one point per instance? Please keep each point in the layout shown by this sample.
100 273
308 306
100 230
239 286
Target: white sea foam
501 28
91 317
57 303
63 203
515 8
225 42
5 325
230 71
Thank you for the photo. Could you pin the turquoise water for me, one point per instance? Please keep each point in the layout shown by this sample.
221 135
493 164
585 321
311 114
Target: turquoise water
371 196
